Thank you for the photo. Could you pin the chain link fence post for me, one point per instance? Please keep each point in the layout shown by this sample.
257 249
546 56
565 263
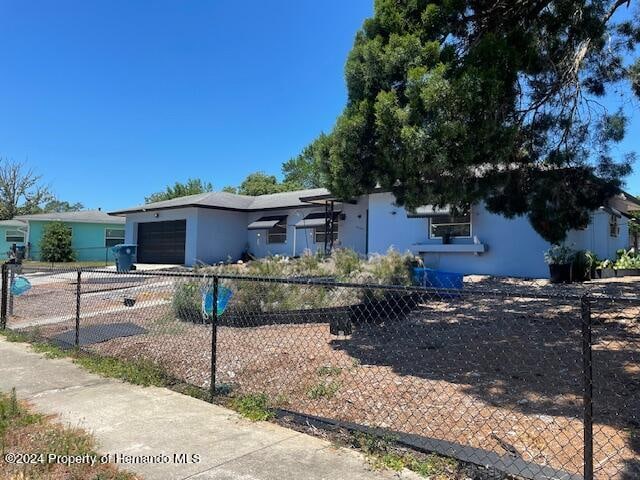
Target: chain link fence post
5 290
78 287
585 305
214 337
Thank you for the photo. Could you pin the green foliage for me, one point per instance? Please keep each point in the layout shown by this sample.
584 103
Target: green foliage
455 103
347 262
382 453
627 259
58 206
259 183
255 407
393 268
186 303
193 186
21 190
583 262
559 255
12 415
55 245
324 390
304 170
139 371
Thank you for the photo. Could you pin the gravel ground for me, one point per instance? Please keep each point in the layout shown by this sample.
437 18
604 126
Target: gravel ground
499 374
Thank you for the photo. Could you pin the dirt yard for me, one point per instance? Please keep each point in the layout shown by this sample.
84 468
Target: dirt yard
500 374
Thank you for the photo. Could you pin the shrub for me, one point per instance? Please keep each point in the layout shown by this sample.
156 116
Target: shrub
393 268
55 245
187 302
583 260
255 407
346 261
627 260
559 255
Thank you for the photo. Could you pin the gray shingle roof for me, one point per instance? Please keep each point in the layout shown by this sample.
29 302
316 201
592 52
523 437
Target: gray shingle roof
85 216
13 223
231 201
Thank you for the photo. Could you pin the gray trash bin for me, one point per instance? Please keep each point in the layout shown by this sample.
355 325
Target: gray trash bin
124 253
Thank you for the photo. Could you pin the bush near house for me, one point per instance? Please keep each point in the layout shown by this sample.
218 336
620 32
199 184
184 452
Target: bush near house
55 245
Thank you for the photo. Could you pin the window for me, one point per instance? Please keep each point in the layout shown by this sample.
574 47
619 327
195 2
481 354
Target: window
453 226
320 232
614 229
14 236
113 236
278 233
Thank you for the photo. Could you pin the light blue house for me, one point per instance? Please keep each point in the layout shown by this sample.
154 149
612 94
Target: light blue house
93 233
218 226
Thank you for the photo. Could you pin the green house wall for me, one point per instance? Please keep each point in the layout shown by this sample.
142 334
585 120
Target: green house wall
87 240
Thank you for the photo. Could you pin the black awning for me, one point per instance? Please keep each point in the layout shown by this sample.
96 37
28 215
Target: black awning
265 223
314 220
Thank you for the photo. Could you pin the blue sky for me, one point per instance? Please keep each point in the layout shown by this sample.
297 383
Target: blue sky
112 100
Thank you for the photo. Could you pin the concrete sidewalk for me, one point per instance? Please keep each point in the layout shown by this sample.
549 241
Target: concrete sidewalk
132 420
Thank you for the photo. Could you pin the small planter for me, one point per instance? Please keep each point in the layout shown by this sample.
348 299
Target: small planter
605 273
627 272
560 273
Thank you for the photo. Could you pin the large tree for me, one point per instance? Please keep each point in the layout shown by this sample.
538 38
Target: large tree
58 206
303 170
259 183
502 101
192 186
21 190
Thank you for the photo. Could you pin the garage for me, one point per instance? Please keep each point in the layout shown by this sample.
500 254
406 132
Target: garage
162 242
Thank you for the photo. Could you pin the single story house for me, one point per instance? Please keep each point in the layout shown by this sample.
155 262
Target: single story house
93 233
212 227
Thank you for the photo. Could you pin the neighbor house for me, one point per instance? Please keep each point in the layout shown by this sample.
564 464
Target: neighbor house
217 227
93 233
12 232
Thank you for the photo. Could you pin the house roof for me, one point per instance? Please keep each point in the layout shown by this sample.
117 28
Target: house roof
85 216
231 201
13 223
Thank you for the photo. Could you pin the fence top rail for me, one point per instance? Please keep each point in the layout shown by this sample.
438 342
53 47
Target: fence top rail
577 293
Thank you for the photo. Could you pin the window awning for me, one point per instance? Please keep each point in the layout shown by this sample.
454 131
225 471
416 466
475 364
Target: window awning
427 211
265 223
314 220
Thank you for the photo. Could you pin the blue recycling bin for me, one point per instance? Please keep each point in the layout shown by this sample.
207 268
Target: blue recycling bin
430 278
124 254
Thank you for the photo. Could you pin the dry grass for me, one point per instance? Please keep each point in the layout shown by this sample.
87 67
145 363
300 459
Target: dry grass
39 439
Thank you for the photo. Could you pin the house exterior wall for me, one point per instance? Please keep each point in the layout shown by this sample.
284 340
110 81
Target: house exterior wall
513 247
298 239
351 231
188 214
221 235
87 240
597 236
5 246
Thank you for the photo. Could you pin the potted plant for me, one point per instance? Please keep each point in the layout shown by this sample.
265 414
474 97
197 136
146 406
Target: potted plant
583 260
628 263
559 258
604 269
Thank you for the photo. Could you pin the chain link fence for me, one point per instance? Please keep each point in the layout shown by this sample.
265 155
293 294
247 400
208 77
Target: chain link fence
527 380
